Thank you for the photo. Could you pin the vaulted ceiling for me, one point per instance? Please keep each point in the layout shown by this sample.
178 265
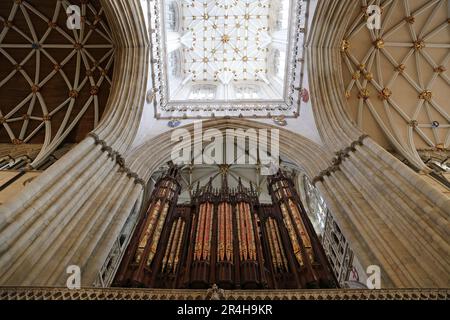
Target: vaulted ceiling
225 44
54 82
396 79
227 58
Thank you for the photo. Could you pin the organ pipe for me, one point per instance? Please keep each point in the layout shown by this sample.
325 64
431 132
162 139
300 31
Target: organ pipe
237 243
302 229
292 235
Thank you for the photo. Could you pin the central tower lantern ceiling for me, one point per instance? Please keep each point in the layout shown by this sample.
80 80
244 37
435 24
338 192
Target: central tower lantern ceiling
226 58
225 41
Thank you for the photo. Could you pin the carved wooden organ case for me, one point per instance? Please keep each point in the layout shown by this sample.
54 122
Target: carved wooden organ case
225 237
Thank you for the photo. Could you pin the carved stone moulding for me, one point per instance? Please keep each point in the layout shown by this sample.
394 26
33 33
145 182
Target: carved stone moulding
36 293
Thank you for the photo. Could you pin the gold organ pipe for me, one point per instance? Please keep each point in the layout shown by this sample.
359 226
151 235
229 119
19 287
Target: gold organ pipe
157 234
292 235
303 233
275 243
169 245
221 228
280 244
251 234
208 238
271 245
240 238
177 257
198 244
207 232
244 232
229 226
148 230
175 243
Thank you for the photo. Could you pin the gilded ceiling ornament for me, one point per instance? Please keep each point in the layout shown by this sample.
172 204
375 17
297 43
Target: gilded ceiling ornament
368 76
224 168
379 43
51 24
17 141
413 123
362 67
280 120
385 94
78 46
356 75
410 19
35 88
400 68
440 69
426 95
419 45
364 94
345 45
225 38
73 94
94 91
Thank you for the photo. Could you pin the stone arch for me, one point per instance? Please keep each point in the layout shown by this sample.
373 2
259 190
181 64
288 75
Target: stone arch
73 212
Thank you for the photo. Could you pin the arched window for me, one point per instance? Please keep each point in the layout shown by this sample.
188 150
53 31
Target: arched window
246 92
172 16
316 205
174 63
282 22
276 62
203 92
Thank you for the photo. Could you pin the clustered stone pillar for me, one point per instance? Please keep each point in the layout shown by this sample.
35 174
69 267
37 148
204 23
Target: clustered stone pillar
73 213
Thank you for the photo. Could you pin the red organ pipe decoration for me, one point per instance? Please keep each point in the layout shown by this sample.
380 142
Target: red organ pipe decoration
225 233
246 233
225 236
204 232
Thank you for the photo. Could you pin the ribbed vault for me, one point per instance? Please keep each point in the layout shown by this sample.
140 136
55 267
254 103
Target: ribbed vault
396 78
54 81
74 212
